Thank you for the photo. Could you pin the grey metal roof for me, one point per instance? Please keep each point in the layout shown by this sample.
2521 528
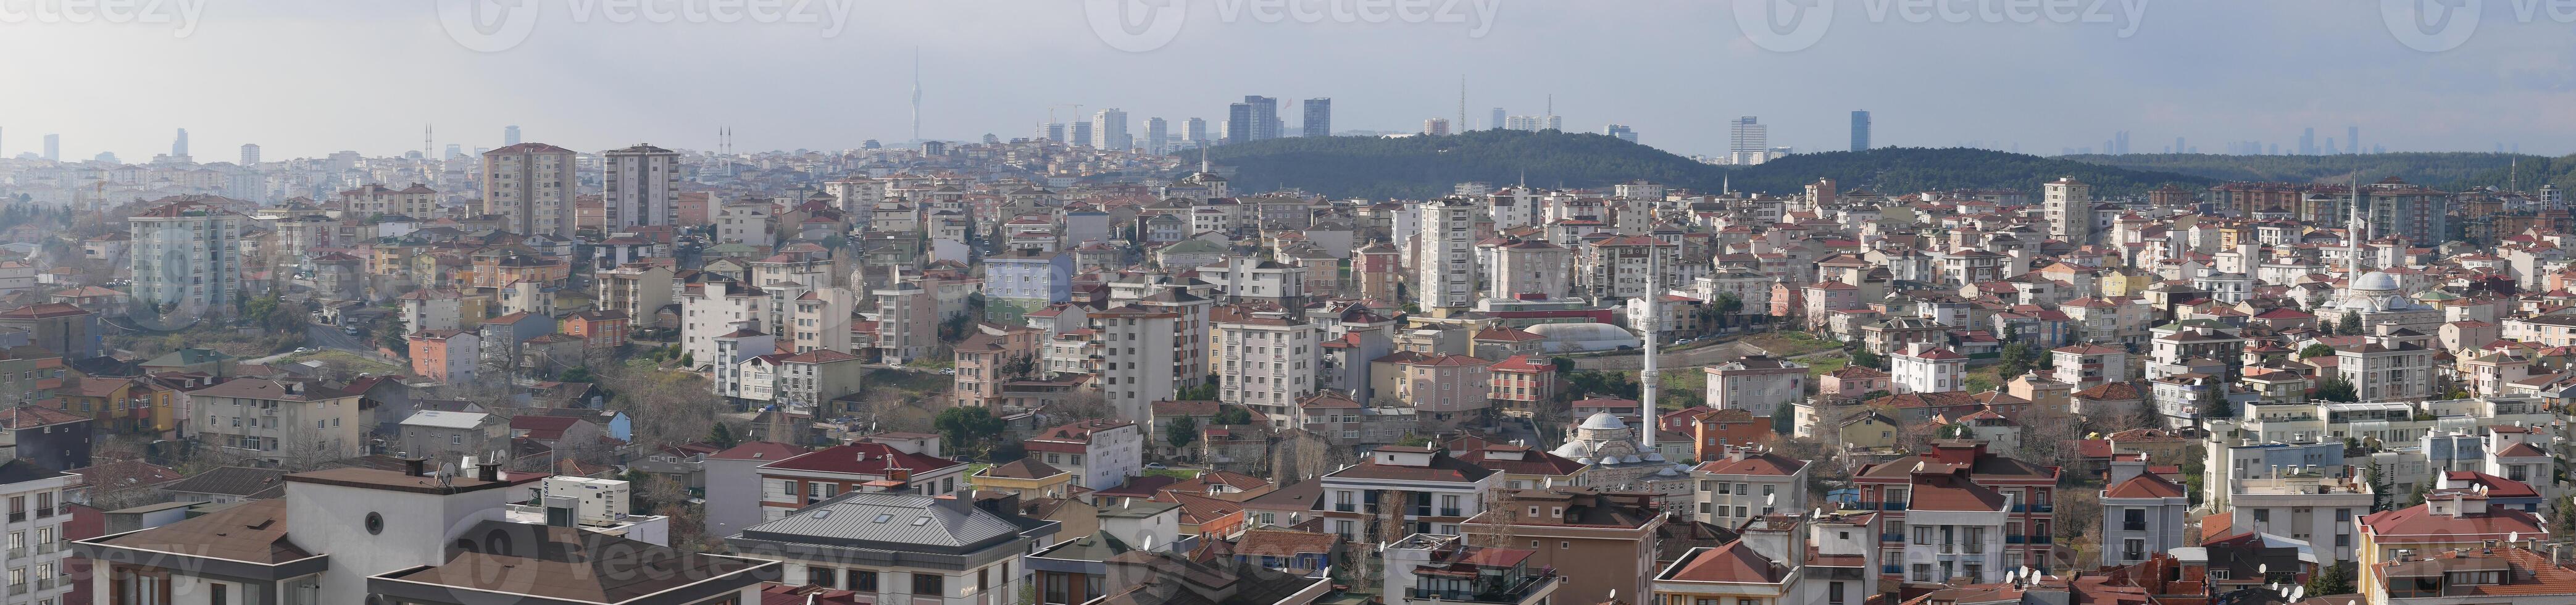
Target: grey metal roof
889 518
448 420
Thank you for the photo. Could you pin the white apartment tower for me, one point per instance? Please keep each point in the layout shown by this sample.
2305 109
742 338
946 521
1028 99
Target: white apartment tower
1111 128
186 258
1445 265
2069 205
1269 361
531 186
641 187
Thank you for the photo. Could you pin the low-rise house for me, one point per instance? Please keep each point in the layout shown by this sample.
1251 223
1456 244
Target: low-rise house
790 485
228 485
450 436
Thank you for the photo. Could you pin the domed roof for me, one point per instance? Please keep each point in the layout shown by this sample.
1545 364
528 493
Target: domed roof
1603 421
1571 337
2375 281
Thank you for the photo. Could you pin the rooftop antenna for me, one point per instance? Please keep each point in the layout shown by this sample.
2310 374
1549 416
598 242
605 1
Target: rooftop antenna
1462 103
1203 161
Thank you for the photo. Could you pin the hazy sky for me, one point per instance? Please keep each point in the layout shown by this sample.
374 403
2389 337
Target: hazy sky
308 77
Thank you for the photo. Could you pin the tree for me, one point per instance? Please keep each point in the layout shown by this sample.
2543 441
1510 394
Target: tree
2324 326
2351 324
2336 389
2383 491
2017 358
722 436
2330 581
965 427
665 407
391 338
1862 357
1232 416
575 374
1784 419
2316 350
1181 431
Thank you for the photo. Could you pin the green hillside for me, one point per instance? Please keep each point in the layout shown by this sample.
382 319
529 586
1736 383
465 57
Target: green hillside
1422 167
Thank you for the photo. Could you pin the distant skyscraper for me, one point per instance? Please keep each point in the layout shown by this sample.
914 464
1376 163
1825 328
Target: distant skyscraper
1158 135
2308 142
1749 141
249 154
1081 135
1498 123
1265 116
1111 124
453 150
53 148
1622 131
1055 132
2352 138
1860 130
1238 123
1319 117
509 135
531 186
1436 127
179 146
641 186
2178 146
1195 131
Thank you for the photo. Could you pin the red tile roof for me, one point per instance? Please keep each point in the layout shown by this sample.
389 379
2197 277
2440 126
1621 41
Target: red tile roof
861 459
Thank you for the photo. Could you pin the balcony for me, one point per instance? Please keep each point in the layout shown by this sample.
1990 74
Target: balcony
1511 592
1452 512
17 516
45 584
1891 569
1885 506
1891 537
44 512
2014 539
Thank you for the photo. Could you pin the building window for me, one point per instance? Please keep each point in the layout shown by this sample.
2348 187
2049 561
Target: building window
928 584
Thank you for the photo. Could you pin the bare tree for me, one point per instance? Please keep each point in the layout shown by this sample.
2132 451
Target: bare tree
666 406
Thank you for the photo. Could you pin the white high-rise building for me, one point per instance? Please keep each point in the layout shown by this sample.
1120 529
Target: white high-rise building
1111 128
2069 206
642 187
249 155
1137 353
186 258
1269 361
1445 264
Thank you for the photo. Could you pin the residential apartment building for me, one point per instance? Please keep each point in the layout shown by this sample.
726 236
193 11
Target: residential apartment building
640 186
1444 262
893 546
1101 454
1602 542
1759 384
1139 362
531 187
1401 488
2008 503
1269 361
790 485
185 259
1745 483
2143 514
358 535
1424 569
272 422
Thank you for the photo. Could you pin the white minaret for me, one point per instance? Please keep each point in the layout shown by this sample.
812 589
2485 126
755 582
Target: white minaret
2359 230
1649 418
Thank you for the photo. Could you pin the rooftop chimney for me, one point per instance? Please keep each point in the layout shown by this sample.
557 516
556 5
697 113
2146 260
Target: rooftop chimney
416 467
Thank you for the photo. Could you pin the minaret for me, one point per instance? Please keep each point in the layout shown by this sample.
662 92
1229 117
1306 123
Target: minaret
2352 256
1647 378
916 93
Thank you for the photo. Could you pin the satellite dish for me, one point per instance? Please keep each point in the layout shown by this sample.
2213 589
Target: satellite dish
446 473
2265 568
1145 542
2512 537
2298 592
1767 498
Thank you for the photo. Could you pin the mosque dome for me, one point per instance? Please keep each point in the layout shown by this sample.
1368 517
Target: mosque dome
1603 421
2375 281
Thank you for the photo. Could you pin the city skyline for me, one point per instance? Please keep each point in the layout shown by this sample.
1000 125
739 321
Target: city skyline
2164 80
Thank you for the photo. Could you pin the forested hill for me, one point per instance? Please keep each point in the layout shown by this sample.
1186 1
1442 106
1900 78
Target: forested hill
1421 167
2449 170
